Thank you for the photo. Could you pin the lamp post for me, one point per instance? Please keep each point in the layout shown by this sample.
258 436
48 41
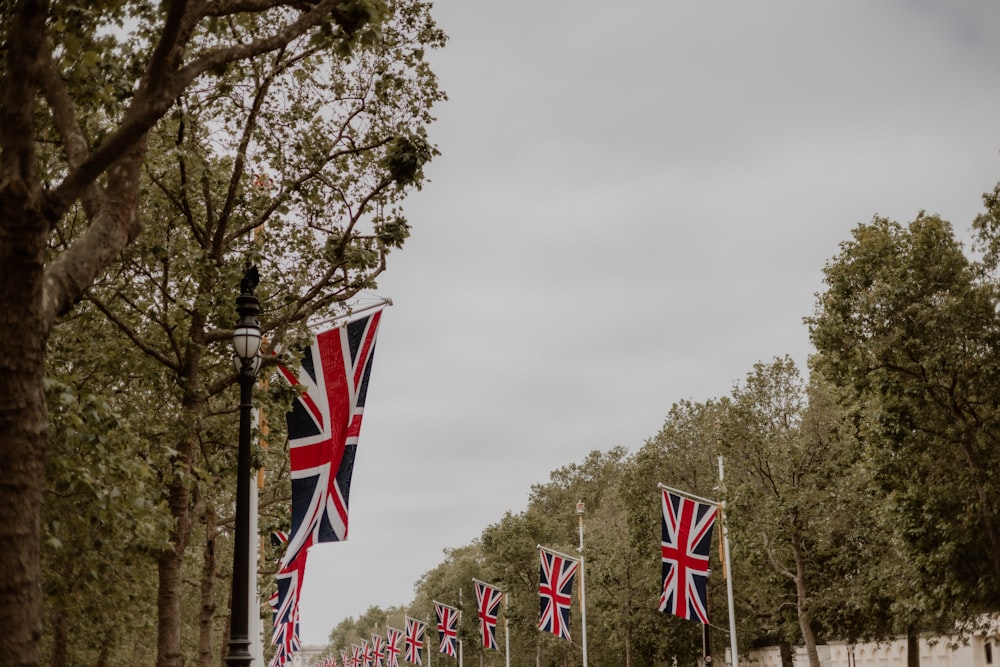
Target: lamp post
246 345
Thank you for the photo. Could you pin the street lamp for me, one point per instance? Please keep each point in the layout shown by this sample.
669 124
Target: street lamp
246 345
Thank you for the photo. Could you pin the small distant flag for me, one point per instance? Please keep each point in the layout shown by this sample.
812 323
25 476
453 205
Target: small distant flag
488 599
555 589
392 648
414 640
447 627
378 651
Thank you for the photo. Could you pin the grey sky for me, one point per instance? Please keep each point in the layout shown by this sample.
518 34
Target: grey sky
633 206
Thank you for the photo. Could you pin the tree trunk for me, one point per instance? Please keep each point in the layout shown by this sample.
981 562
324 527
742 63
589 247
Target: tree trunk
58 657
912 647
206 621
802 601
785 649
170 593
171 578
24 423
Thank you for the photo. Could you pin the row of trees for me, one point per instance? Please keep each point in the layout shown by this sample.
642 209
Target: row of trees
861 502
148 152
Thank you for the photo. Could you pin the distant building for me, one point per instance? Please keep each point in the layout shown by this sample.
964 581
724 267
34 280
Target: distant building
309 655
978 651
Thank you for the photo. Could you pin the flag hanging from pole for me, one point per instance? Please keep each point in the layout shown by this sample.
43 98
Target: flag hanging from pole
555 589
323 428
687 540
378 651
447 627
414 640
392 649
488 599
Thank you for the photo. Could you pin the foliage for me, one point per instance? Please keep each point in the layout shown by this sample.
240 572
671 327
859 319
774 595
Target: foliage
148 156
907 325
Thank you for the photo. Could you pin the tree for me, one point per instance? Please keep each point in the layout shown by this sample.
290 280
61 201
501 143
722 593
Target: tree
907 325
682 455
786 507
82 89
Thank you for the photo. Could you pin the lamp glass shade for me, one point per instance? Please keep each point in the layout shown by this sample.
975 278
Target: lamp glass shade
246 341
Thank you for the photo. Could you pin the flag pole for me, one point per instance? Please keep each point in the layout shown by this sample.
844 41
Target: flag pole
729 576
687 495
506 632
583 595
351 313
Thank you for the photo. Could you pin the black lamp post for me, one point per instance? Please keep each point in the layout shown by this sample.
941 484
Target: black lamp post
246 344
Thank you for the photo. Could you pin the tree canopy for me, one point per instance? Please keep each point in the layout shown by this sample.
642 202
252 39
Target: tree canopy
149 152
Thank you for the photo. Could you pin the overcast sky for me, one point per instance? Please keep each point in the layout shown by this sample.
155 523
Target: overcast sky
633 206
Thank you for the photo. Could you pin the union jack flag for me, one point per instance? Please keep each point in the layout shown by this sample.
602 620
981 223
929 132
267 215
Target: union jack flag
447 627
367 657
414 640
286 623
357 655
687 541
323 428
378 650
555 587
488 601
345 659
392 650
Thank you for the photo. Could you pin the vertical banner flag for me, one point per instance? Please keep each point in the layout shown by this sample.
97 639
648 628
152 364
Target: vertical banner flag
392 639
555 588
345 659
367 656
488 601
323 428
378 650
357 655
447 627
687 541
414 640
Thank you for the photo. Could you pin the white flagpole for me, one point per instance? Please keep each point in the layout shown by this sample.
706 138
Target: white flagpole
351 314
506 632
729 578
687 495
583 594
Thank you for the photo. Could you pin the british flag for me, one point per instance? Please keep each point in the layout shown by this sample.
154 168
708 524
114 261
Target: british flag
357 655
447 627
392 649
414 640
285 636
367 655
345 659
323 428
378 650
687 541
555 588
488 599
